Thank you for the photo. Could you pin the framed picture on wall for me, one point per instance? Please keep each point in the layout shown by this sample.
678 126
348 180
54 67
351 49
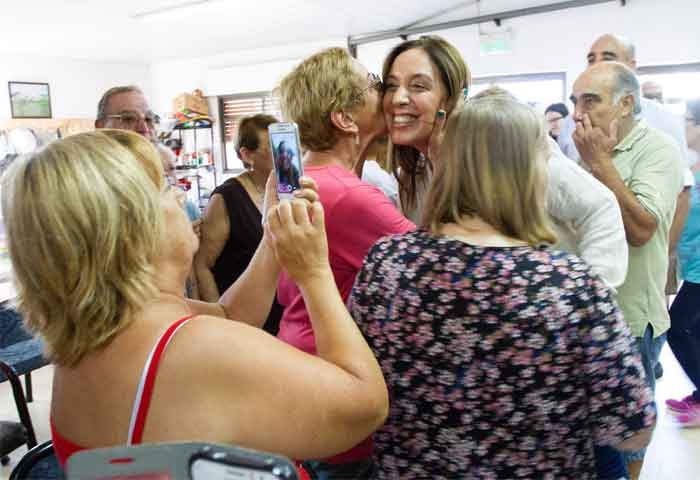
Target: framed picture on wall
30 100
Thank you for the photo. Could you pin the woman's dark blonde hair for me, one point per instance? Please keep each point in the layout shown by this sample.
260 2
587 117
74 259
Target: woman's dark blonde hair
325 82
83 219
143 151
407 162
492 165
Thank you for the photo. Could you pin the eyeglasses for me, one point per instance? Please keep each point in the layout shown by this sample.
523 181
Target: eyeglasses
130 119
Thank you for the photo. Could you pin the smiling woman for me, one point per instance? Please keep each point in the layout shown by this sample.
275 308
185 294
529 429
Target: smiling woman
421 77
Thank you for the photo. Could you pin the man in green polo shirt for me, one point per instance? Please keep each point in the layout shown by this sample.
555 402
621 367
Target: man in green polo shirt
641 166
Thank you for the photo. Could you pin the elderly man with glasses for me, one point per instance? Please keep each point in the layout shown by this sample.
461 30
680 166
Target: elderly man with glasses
642 167
126 108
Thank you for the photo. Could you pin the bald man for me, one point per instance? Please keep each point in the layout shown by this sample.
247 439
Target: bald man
611 47
641 166
653 91
616 48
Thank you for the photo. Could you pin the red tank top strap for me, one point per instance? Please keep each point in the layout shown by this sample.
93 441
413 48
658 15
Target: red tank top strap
142 401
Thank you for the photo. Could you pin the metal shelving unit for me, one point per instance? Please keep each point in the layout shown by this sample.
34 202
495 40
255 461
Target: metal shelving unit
200 175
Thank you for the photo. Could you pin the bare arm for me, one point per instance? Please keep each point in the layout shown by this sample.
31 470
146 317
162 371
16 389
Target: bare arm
285 400
268 395
250 298
640 224
679 218
215 230
597 149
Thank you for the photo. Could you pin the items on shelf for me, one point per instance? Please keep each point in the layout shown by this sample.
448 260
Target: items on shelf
186 119
194 163
191 102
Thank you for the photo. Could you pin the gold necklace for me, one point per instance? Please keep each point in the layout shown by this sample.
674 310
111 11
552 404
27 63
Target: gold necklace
261 191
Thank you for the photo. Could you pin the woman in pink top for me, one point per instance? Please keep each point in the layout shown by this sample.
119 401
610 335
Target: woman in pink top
337 105
100 249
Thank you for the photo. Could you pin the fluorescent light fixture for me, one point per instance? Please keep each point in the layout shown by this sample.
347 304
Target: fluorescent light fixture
172 11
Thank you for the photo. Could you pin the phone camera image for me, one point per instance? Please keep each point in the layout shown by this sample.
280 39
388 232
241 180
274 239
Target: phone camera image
286 154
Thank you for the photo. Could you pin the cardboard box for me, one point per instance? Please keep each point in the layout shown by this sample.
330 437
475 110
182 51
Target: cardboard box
193 102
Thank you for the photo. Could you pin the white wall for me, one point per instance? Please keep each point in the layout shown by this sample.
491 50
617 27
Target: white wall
76 85
245 71
664 32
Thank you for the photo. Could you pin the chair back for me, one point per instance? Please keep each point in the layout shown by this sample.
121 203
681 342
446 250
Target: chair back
38 463
11 327
195 461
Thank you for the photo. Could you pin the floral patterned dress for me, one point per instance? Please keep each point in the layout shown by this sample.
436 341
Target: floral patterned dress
501 362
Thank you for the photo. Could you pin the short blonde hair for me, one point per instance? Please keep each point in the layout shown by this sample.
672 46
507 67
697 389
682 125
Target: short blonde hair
323 83
491 165
83 226
143 150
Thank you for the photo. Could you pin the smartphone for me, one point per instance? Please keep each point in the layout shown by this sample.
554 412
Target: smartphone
286 156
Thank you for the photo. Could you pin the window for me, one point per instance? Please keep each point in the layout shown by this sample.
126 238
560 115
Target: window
537 89
679 83
233 109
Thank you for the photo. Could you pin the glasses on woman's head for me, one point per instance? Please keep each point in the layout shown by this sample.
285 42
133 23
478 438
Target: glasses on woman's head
130 119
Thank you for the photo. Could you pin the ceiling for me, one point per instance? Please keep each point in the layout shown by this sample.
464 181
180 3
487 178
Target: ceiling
106 30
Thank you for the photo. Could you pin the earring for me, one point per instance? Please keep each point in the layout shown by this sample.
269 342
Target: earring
357 139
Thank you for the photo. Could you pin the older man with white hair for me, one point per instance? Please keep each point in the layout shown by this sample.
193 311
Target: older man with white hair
641 166
616 48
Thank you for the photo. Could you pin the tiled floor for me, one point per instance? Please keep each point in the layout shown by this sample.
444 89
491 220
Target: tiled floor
674 453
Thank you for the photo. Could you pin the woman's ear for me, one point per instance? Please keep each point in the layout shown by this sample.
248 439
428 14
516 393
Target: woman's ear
344 122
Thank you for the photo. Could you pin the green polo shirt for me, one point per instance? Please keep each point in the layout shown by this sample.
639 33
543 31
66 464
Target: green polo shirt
648 162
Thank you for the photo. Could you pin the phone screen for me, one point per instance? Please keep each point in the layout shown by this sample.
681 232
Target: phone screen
205 469
286 154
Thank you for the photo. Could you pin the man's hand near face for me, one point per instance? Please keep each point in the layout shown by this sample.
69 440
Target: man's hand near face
595 146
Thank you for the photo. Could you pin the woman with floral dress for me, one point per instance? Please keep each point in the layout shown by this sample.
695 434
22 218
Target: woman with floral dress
503 358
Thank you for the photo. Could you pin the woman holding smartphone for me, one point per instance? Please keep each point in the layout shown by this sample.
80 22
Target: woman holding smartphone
336 104
101 282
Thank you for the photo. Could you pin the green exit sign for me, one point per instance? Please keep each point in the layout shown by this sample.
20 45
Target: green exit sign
495 43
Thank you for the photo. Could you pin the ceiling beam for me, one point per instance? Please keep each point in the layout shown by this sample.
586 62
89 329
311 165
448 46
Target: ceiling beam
355 40
439 13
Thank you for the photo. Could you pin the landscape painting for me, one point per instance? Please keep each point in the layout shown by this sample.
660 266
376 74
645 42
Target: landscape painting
30 100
